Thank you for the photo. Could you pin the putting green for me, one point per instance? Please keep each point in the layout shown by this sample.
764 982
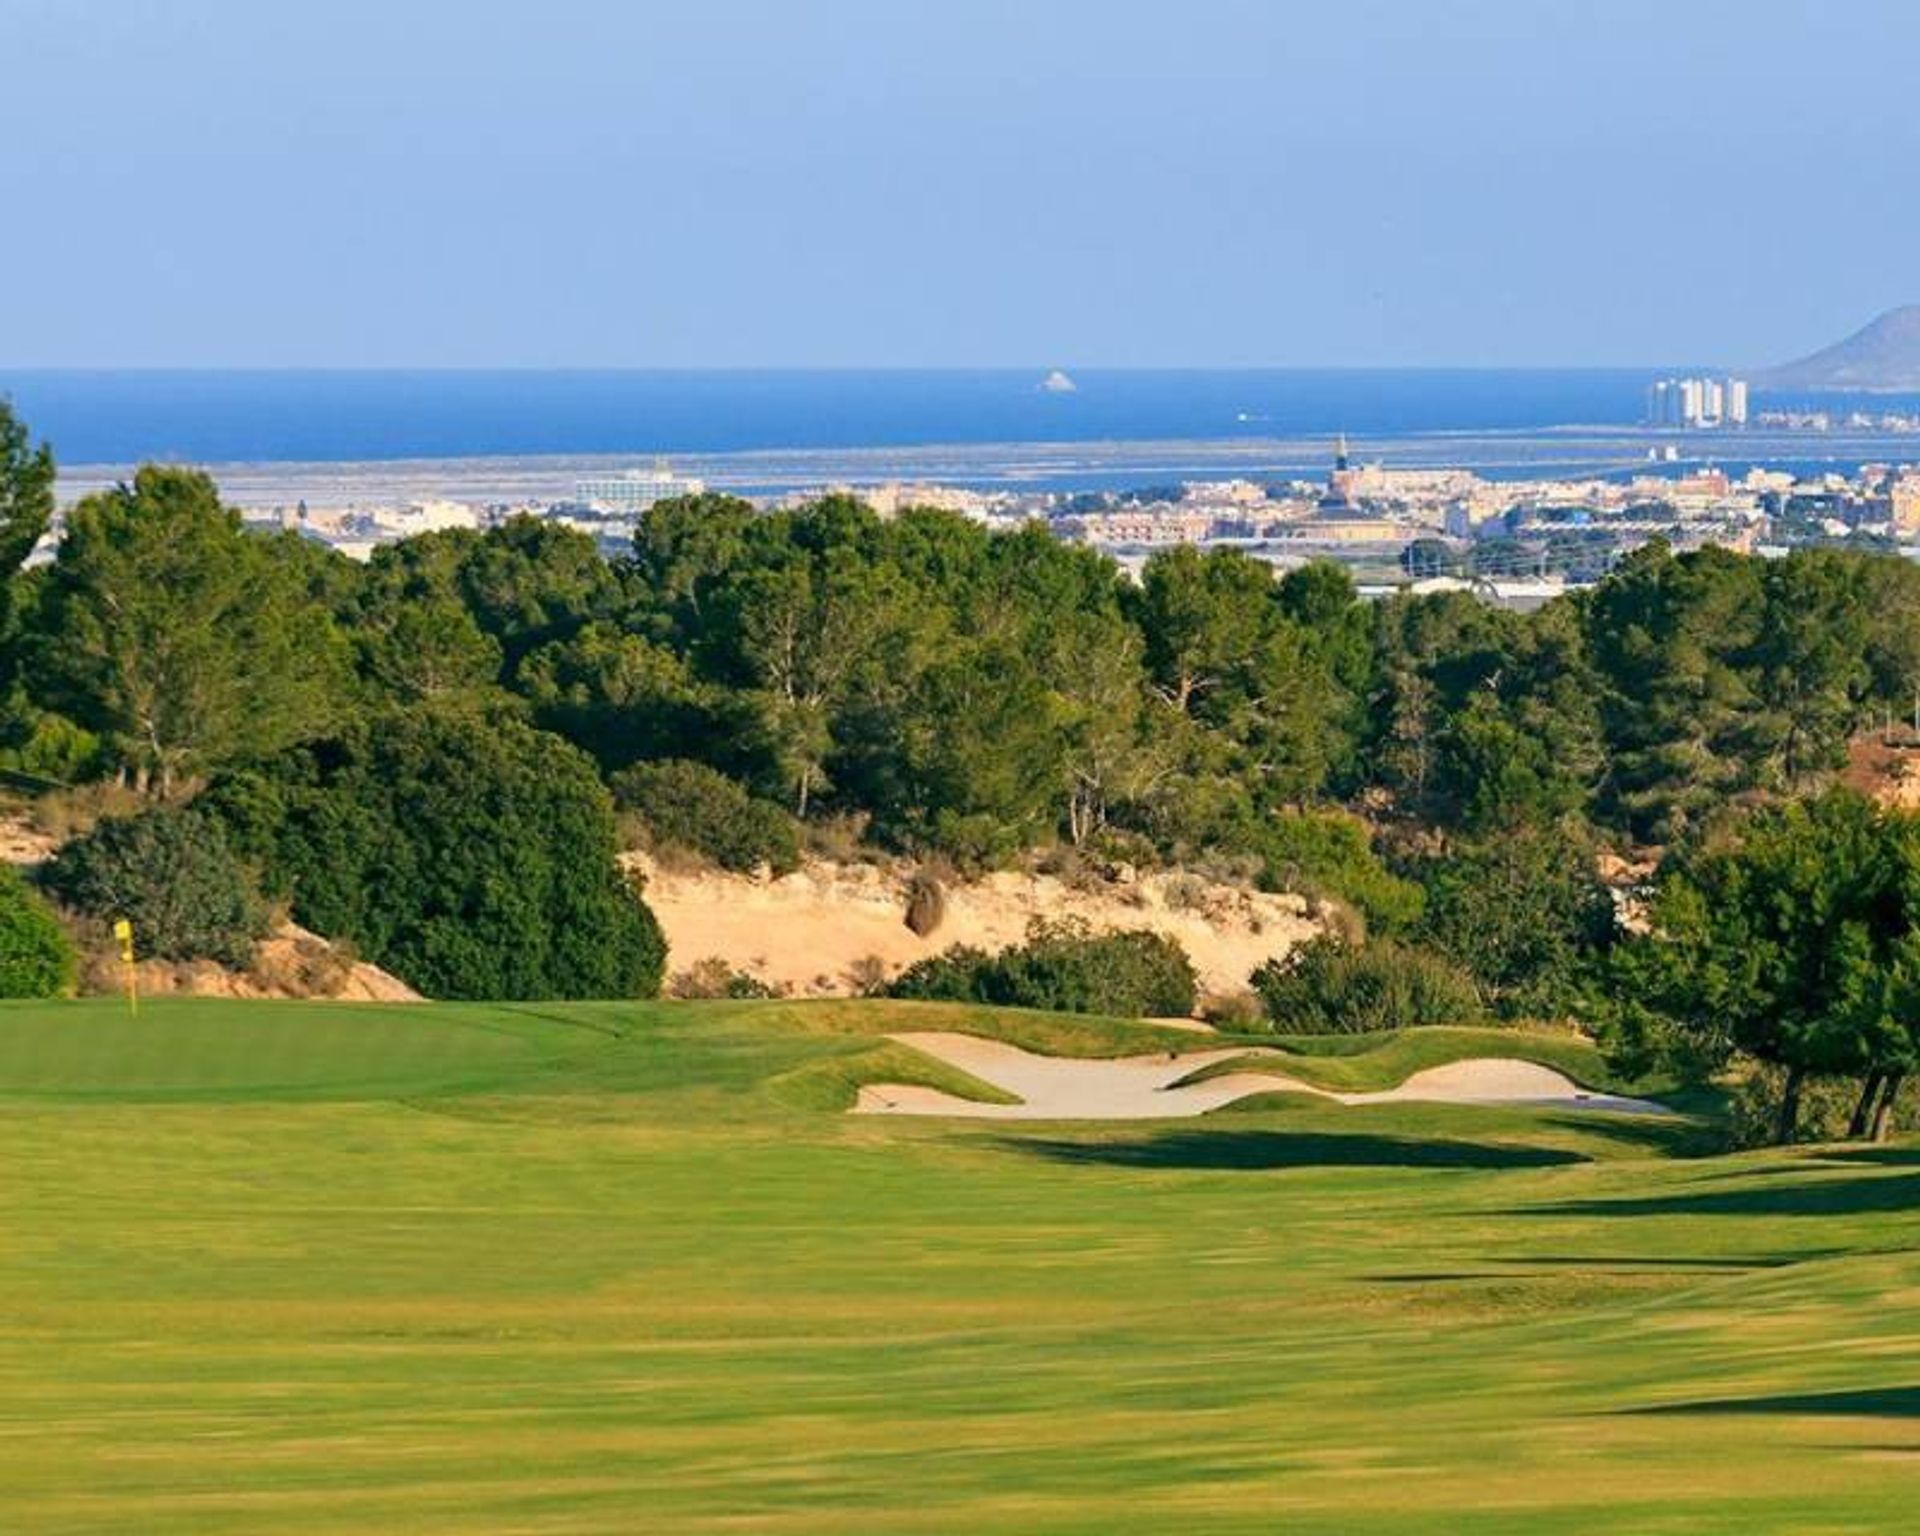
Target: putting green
203 1048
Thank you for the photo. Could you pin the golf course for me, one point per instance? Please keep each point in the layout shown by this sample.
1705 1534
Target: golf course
306 1267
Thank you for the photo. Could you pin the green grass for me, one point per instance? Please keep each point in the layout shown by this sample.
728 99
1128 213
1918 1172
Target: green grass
620 1268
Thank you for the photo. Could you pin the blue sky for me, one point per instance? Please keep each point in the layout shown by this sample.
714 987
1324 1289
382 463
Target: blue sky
950 182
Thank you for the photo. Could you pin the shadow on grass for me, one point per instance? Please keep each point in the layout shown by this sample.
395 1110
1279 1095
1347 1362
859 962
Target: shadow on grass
1873 1157
1646 1261
1802 1197
1879 1402
1668 1136
1281 1149
1582 1263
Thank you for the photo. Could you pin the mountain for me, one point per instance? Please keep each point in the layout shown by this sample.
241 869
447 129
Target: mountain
1884 354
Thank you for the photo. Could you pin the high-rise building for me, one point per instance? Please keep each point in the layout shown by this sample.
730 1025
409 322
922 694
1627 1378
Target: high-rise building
1697 402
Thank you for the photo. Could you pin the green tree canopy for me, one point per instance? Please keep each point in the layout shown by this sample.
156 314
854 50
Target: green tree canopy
1793 937
474 856
181 638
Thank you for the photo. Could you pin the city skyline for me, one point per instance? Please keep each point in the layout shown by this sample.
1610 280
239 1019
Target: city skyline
985 185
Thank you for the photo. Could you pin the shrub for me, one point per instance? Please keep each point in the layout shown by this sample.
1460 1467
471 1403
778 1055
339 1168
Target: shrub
1330 987
713 978
956 974
926 903
48 746
1329 854
868 976
1232 1012
693 806
36 957
174 875
1064 967
473 857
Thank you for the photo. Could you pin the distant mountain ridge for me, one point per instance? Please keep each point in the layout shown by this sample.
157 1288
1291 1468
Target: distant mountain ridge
1883 354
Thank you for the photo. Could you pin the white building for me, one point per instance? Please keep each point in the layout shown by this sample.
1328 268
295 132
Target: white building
635 489
1697 402
427 517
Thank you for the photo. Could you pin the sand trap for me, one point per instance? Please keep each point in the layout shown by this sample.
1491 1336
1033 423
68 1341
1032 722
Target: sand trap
1142 1087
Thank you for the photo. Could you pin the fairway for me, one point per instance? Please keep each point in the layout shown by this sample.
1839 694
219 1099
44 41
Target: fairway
315 1268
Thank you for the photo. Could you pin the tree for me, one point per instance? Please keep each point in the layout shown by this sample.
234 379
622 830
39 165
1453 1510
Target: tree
1222 652
1791 938
26 510
26 496
430 648
620 697
799 622
1891 603
1432 654
530 580
472 855
1812 660
1672 638
180 637
682 546
1523 911
1205 618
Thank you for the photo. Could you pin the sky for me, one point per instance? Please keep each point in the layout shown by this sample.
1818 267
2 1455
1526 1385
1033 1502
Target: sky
951 183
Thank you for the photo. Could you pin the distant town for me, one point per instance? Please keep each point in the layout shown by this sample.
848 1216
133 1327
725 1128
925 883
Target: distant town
1517 541
1534 515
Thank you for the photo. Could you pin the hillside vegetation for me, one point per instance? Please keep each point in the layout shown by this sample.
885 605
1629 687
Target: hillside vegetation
439 757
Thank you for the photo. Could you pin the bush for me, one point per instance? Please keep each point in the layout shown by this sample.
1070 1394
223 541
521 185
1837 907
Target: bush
48 746
692 806
175 876
1064 967
712 978
1329 854
472 857
1330 987
1232 1012
1317 854
926 903
36 957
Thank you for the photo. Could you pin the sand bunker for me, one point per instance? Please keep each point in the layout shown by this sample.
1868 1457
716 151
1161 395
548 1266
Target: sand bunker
1143 1087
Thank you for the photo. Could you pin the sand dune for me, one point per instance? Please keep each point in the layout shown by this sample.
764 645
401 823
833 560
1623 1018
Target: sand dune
808 932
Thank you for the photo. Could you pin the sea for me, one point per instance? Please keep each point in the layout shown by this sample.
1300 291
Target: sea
768 430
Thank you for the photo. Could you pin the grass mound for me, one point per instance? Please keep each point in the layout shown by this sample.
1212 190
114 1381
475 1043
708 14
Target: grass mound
1377 1062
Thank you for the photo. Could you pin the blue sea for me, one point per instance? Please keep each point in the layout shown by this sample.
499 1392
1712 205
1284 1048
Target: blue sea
117 417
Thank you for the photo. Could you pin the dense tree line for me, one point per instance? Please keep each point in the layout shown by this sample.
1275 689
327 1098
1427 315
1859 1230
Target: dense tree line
965 693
